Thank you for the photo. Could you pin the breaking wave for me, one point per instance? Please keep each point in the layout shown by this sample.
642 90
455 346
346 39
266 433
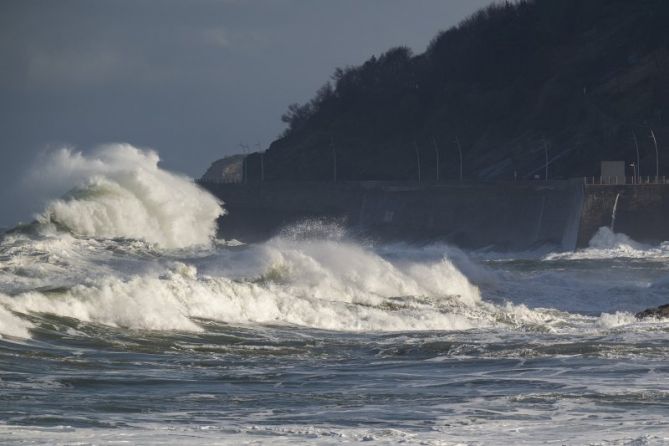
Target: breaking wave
606 244
318 283
111 251
119 191
11 324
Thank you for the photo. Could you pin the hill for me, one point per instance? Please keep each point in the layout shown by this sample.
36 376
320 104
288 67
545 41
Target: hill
571 81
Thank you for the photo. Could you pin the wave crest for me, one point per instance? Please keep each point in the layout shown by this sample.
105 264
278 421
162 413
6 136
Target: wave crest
120 192
319 284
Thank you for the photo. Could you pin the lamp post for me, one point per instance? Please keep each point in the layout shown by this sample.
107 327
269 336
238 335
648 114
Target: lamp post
638 160
262 163
245 169
546 153
334 160
657 156
634 172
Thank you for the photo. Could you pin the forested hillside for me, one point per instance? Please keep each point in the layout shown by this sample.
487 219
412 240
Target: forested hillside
574 80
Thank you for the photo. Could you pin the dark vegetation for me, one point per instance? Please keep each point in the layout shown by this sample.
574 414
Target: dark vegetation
574 78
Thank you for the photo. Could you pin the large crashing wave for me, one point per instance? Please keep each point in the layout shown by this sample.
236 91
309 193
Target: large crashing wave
120 192
309 276
322 284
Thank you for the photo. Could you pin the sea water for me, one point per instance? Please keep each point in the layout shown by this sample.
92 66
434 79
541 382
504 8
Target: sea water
123 320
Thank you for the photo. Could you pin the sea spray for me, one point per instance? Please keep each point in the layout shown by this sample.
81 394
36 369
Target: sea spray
606 244
318 330
119 191
311 275
330 283
12 325
320 284
613 213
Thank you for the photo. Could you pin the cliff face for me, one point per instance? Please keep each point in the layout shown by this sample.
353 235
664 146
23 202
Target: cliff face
571 80
225 170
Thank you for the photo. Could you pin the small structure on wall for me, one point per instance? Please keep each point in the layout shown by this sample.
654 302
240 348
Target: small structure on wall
613 172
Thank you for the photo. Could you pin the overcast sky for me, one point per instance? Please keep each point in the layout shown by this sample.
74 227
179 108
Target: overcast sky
190 78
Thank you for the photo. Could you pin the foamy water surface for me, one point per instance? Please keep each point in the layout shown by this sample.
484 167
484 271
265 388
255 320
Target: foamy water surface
122 319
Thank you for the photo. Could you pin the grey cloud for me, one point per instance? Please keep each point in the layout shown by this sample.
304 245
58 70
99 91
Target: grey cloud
76 67
216 36
191 79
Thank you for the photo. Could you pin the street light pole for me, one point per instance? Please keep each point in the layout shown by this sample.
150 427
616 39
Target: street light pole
657 156
334 159
546 153
634 173
262 167
245 169
638 160
262 163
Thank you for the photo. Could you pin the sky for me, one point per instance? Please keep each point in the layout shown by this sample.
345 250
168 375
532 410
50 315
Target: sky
191 79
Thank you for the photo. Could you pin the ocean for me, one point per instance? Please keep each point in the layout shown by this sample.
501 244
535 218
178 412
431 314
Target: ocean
125 320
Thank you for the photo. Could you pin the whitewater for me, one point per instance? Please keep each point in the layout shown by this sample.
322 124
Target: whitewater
126 318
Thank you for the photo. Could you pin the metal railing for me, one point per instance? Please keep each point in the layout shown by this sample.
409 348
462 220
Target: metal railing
218 181
619 181
588 181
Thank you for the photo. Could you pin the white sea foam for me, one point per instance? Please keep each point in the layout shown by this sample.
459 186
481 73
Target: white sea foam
606 244
565 423
309 276
11 325
120 192
616 319
322 284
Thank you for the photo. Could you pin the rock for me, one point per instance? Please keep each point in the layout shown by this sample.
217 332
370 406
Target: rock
660 312
225 170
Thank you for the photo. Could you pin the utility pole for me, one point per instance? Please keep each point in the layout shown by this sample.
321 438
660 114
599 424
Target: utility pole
457 141
415 146
334 159
546 153
657 156
262 167
436 152
638 161
245 169
262 163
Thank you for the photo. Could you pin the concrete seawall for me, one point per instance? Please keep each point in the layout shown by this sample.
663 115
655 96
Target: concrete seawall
642 211
509 216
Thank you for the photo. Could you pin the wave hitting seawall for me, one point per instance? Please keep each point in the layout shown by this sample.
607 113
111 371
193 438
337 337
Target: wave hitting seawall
124 318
